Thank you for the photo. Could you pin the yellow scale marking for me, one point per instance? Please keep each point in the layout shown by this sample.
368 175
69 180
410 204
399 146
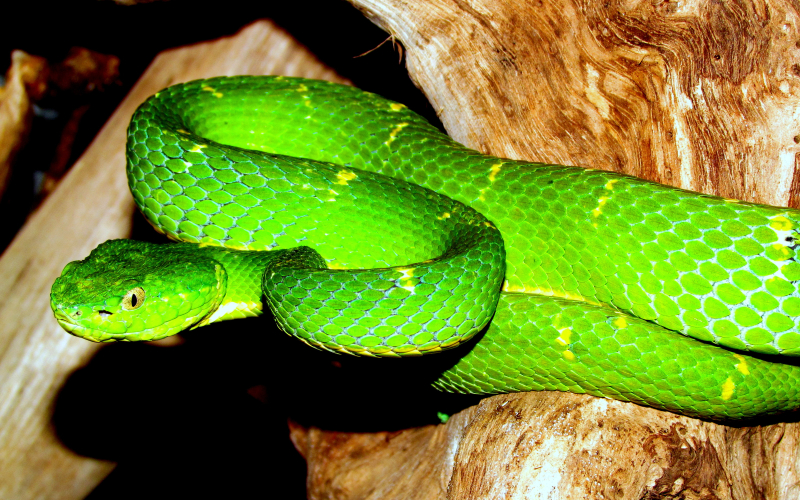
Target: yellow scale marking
213 91
780 223
727 389
537 290
564 340
407 281
603 199
493 171
783 250
396 130
742 365
344 176
599 210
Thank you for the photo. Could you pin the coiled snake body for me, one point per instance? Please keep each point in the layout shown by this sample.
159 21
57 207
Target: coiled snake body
611 285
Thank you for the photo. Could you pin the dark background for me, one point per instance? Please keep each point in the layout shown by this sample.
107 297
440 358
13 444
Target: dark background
338 34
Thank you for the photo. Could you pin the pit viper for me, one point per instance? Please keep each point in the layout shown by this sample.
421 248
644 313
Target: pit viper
368 231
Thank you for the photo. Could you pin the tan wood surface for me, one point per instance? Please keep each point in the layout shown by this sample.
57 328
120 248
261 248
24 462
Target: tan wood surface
90 206
697 94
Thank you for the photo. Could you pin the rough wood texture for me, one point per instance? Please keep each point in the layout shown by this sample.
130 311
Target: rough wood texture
81 73
90 206
555 446
26 82
698 94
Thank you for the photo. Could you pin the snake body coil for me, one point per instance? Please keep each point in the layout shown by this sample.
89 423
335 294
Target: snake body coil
611 285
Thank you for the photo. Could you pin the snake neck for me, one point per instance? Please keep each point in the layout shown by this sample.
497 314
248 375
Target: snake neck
243 295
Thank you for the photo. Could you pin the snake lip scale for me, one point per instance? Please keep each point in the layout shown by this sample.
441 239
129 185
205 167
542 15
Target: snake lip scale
367 231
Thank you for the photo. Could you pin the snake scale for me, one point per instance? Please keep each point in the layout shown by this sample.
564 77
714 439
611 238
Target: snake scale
368 231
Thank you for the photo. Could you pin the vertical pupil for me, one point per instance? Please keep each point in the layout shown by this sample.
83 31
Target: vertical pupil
133 300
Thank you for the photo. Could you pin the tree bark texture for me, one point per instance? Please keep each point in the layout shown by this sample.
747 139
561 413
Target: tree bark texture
555 446
697 94
26 81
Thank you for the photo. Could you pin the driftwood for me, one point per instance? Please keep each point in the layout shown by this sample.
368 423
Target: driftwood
31 79
26 82
699 94
82 72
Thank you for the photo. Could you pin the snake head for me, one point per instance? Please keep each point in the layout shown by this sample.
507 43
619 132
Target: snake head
131 290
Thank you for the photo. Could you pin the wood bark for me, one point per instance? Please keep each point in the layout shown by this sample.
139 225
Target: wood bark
26 82
698 94
555 446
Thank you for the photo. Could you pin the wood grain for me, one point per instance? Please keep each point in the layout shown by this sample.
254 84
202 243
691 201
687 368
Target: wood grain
698 94
26 81
90 206
557 446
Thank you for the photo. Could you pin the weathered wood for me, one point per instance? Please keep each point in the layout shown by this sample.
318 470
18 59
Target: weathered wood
90 206
699 94
26 81
554 445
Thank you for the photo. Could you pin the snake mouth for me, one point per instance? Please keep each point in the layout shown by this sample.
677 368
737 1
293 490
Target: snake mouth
70 323
90 334
62 317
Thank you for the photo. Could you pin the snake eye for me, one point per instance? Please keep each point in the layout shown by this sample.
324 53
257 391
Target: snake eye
133 299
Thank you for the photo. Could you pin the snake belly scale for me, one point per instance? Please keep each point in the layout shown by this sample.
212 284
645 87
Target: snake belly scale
589 281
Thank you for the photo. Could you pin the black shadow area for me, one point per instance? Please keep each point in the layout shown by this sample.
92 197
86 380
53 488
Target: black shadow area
181 421
208 416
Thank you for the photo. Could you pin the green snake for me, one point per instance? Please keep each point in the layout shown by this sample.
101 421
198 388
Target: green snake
368 231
